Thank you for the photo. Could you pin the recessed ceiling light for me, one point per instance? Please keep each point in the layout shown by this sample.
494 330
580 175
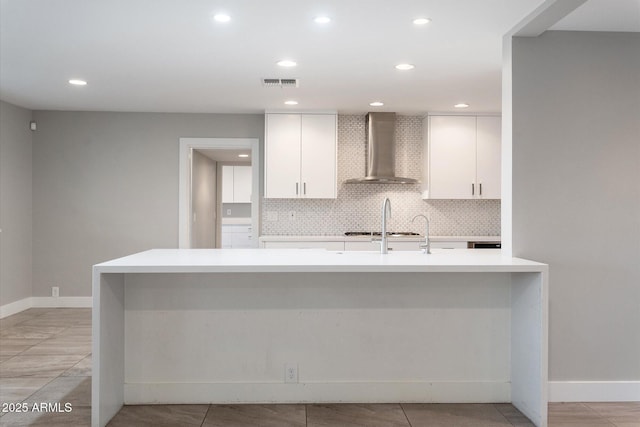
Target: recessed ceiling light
243 155
322 20
376 104
291 102
421 21
287 63
405 67
77 82
221 17
461 105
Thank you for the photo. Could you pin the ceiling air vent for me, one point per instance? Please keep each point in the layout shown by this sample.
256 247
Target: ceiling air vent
280 82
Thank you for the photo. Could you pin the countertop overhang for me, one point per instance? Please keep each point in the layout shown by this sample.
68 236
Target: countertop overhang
315 260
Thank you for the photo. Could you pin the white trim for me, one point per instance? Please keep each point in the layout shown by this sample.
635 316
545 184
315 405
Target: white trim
318 392
184 180
534 24
594 391
63 302
52 302
15 307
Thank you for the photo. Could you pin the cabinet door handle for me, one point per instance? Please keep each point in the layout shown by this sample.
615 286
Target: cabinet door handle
304 188
473 189
480 189
297 188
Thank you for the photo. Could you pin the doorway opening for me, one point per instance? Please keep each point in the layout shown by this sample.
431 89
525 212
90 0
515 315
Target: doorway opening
219 193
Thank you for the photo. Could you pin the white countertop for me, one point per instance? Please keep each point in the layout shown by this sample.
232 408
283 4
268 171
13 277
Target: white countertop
342 238
314 260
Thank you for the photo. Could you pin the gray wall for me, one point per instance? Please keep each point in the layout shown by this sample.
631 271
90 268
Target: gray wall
105 185
15 203
203 201
576 194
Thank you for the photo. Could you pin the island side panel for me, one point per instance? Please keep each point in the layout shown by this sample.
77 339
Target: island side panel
529 348
359 337
108 346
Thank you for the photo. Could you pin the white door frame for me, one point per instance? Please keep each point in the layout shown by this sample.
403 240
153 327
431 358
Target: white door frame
187 145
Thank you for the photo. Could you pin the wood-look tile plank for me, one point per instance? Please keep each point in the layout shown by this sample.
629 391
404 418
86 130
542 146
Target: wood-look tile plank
256 415
73 390
159 416
30 332
617 412
80 416
454 415
37 366
13 346
80 369
15 390
562 414
56 347
513 415
356 415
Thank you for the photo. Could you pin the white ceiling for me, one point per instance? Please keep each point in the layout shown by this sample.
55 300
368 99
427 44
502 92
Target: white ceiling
226 156
603 15
169 55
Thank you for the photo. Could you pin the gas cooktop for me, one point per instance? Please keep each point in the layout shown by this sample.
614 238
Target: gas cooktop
377 233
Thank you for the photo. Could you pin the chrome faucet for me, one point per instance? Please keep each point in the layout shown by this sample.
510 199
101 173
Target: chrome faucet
426 246
384 240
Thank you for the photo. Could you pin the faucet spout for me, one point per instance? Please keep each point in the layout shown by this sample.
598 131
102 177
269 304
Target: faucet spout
384 240
426 246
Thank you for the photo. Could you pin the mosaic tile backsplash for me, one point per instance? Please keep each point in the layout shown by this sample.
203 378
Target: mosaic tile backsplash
358 206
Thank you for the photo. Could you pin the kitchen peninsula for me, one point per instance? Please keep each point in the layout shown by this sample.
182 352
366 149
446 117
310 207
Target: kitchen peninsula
274 326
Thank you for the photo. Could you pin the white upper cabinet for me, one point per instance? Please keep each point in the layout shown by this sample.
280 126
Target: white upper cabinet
488 160
300 156
242 184
463 155
236 184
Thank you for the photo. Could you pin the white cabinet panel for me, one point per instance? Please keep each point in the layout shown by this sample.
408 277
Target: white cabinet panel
227 184
330 246
463 157
448 245
489 149
236 184
282 155
318 172
452 166
236 236
242 184
375 246
300 156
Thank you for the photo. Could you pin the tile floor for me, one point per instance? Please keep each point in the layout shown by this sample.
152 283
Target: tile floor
45 357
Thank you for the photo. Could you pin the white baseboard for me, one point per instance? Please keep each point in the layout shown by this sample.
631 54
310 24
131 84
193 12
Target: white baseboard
594 391
330 392
15 307
50 302
63 302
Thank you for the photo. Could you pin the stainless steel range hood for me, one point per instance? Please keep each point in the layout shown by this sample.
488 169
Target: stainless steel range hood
381 152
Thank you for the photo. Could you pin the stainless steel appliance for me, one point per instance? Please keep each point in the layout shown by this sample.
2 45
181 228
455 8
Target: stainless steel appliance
484 245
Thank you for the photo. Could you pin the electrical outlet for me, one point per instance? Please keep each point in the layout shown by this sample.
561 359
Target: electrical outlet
291 373
55 291
292 215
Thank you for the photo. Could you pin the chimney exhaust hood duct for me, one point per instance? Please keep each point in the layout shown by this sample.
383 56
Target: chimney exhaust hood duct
381 151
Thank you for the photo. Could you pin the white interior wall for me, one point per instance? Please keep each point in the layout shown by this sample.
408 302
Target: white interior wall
106 185
576 196
15 204
203 201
